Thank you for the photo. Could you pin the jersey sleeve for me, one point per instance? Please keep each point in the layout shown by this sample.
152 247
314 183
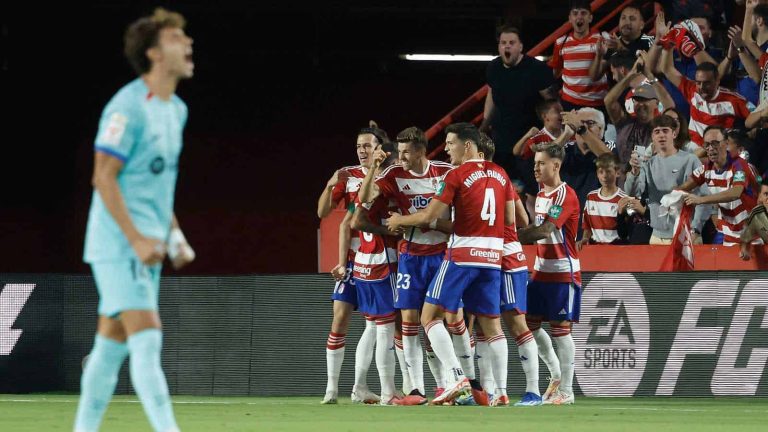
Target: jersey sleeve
339 191
447 188
527 152
739 174
585 222
698 175
386 185
556 61
510 192
687 88
562 209
742 111
119 129
762 60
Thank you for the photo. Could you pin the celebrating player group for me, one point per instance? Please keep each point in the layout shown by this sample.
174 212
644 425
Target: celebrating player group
435 245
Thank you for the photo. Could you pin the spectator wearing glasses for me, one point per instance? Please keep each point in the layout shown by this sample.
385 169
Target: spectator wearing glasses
582 140
731 181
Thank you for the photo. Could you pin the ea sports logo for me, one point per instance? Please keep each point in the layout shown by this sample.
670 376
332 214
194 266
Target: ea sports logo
419 202
612 337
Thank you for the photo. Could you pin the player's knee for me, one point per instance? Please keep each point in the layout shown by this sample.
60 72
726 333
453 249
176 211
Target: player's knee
533 322
516 324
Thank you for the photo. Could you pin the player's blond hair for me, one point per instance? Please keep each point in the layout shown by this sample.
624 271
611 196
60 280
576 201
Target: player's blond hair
143 34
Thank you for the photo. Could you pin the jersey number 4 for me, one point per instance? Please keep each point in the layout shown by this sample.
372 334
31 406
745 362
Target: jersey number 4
488 213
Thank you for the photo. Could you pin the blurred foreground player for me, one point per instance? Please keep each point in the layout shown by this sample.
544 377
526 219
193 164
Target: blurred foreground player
131 224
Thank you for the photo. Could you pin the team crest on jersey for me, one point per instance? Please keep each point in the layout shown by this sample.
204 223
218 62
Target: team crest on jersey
115 130
157 165
739 176
440 188
554 211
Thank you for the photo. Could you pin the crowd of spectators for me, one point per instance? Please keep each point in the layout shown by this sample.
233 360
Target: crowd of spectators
640 113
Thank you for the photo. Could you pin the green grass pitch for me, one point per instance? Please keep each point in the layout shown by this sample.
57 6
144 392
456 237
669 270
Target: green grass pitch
276 414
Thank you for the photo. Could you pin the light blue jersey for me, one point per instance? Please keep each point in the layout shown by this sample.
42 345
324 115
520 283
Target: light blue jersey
145 133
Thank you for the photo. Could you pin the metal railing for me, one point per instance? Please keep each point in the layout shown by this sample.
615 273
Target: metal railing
479 96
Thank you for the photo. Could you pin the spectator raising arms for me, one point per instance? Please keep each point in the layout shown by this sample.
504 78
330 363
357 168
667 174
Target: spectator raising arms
572 57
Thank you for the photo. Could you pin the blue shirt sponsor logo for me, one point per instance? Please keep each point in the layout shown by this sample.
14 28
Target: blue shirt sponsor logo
420 202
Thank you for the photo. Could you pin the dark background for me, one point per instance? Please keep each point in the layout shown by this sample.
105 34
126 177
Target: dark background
279 92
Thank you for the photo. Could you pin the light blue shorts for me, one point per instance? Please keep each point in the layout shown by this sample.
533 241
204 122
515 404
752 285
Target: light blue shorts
126 285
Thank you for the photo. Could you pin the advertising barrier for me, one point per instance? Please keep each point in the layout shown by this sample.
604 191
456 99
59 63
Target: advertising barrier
641 334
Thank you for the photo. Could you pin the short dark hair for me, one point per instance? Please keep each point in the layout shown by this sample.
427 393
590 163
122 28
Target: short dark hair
623 59
543 106
715 127
699 14
487 147
465 132
389 148
707 67
507 28
607 160
683 136
581 4
738 136
635 7
373 129
414 136
552 149
144 34
765 180
761 11
663 121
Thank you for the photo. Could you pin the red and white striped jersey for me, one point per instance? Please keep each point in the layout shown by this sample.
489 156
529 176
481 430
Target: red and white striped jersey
601 215
413 192
573 57
478 191
722 110
557 259
732 214
347 190
377 255
542 136
514 258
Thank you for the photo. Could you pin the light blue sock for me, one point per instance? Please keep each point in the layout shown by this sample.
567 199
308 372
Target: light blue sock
98 382
148 379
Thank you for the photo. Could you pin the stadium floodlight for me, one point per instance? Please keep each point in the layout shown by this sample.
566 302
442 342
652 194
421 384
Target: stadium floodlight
447 57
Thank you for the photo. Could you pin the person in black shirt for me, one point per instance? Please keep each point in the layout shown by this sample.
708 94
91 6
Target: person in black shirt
517 83
630 39
582 139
